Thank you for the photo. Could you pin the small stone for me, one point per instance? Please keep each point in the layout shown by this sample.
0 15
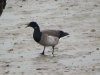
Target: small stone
21 56
97 48
39 69
66 8
20 6
7 65
66 67
96 5
84 56
89 53
93 69
93 30
18 66
7 72
23 0
55 62
15 43
10 50
19 27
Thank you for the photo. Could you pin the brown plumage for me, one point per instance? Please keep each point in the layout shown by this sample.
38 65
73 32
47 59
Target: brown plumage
56 33
2 6
52 32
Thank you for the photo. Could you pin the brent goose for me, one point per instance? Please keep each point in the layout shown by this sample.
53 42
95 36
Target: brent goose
2 6
46 37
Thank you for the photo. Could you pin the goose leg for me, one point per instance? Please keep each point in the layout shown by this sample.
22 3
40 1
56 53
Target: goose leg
53 50
43 51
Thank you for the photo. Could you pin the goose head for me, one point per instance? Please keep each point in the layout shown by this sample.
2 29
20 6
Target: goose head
33 25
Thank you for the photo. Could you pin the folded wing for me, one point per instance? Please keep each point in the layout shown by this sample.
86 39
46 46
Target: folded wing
56 33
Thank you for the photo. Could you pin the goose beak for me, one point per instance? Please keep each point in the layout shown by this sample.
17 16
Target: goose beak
68 35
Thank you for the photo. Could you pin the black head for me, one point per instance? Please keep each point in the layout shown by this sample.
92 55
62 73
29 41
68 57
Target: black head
33 25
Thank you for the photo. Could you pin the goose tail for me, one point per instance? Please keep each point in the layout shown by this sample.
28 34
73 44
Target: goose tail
62 34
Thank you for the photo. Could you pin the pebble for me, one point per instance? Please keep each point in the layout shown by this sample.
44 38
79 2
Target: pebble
7 65
10 50
97 49
93 30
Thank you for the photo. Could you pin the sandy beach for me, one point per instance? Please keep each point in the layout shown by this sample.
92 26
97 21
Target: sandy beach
78 54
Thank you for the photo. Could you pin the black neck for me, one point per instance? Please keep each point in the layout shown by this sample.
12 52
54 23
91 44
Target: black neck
37 29
37 34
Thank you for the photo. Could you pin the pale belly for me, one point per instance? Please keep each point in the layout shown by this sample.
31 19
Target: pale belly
50 41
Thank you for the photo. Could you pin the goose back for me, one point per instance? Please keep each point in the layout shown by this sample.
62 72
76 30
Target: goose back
52 32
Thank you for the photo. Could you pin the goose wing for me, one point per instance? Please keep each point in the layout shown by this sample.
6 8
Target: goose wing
56 33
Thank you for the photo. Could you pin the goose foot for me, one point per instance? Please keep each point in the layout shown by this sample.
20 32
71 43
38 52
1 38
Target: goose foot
42 53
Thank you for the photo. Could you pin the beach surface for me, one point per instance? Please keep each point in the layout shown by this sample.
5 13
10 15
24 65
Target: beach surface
78 54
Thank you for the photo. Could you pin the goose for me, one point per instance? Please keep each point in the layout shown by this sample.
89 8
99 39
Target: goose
46 37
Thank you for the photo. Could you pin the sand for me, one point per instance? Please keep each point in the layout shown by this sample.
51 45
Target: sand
78 54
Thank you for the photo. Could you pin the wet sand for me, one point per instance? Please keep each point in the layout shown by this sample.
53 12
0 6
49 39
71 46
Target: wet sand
78 54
